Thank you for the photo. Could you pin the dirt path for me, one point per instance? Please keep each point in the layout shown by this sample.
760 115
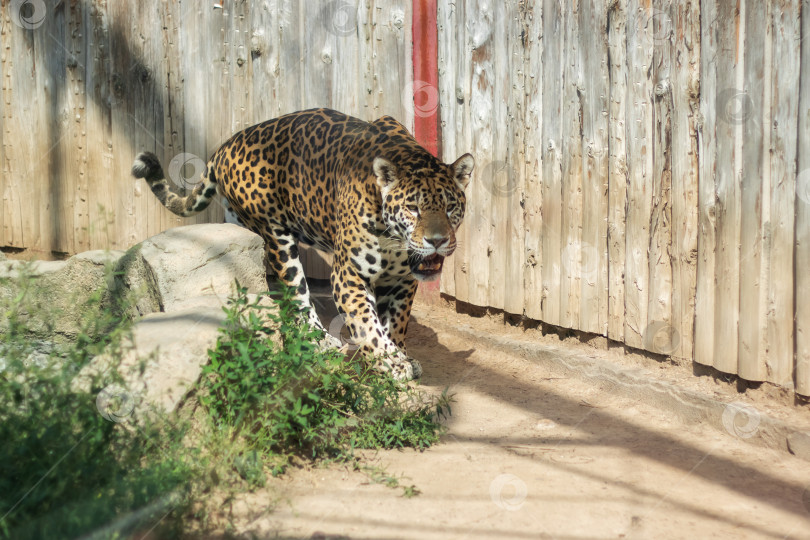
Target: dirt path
529 454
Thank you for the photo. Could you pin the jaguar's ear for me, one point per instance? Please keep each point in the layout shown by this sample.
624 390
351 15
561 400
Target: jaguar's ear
462 169
387 173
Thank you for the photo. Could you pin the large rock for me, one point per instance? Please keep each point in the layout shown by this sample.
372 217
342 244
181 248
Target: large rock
168 353
175 283
60 298
186 262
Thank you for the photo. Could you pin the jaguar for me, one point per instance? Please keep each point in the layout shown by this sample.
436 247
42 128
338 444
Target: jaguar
367 192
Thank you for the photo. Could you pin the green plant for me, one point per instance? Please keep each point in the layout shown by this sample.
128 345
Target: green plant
73 463
288 397
379 475
65 467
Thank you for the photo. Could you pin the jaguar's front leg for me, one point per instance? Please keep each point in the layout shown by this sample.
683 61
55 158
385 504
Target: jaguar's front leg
354 298
394 300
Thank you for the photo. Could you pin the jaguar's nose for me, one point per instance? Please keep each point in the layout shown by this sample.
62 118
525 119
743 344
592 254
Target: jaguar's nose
436 241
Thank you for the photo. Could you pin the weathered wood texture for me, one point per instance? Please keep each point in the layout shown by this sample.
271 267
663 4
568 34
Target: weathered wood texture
649 149
89 83
642 168
749 245
802 241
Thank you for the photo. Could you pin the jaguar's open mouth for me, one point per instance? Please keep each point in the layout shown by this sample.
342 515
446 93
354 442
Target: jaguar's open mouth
428 268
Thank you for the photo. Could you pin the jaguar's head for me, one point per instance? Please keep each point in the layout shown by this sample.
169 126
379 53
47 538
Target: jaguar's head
422 207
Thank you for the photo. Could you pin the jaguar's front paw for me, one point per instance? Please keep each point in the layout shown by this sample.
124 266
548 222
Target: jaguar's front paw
417 369
403 368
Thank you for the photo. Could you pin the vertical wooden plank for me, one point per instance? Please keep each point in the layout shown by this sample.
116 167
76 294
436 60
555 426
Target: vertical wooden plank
449 117
480 19
365 54
802 245
452 119
150 115
750 108
205 100
174 113
572 181
315 53
499 169
782 273
640 41
595 143
288 22
3 158
264 60
123 64
220 102
533 160
77 237
685 76
707 204
51 193
237 43
186 96
658 330
400 29
162 58
226 87
617 175
511 186
3 111
343 56
465 278
554 78
390 57
4 65
23 137
365 31
101 100
461 77
729 129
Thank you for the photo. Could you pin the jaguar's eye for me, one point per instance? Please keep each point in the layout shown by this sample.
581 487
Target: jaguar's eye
413 209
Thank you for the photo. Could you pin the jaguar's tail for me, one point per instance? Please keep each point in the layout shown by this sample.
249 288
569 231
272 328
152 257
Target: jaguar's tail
147 166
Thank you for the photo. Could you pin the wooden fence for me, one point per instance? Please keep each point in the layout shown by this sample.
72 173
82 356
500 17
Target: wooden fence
643 166
643 172
89 83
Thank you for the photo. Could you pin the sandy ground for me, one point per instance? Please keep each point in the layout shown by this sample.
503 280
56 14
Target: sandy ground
530 454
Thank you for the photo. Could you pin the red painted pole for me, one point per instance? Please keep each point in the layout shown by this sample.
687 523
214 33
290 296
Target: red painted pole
426 75
426 96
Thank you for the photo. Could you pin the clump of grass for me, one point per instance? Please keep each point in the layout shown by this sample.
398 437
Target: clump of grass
288 398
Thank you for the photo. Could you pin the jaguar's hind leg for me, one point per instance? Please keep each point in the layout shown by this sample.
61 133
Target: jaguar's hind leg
283 264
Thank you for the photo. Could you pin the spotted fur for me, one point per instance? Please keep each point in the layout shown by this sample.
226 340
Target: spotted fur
366 191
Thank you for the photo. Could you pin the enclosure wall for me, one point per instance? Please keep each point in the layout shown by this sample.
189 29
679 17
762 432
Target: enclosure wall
642 172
